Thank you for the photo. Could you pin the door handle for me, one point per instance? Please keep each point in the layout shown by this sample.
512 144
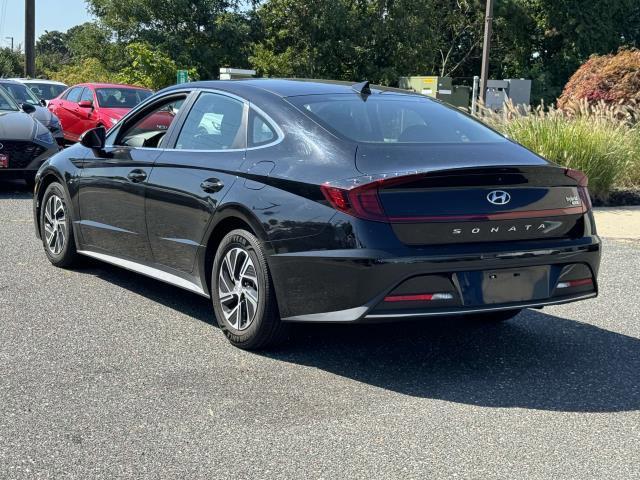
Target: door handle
211 185
137 175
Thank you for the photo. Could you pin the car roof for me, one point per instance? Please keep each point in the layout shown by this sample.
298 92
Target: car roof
37 80
285 87
10 80
109 85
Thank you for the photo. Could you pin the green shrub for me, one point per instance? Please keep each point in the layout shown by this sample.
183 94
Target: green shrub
88 70
591 139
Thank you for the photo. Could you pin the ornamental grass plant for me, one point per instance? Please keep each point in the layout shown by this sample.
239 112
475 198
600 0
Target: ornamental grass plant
602 140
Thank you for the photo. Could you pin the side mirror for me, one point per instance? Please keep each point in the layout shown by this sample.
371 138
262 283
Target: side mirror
94 138
28 108
85 104
43 102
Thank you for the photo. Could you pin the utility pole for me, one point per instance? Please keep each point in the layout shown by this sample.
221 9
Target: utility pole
10 38
486 46
30 38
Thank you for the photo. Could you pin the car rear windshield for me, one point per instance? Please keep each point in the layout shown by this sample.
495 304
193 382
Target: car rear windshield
46 91
393 118
121 97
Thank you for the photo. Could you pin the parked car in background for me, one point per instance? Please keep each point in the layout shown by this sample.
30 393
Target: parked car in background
24 142
312 201
23 95
89 105
43 89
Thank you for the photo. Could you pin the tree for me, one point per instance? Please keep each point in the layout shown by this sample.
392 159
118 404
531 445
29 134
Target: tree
379 40
52 50
85 70
149 67
547 40
203 34
55 50
460 34
88 40
11 63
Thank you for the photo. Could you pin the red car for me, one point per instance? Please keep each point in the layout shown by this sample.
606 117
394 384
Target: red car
89 105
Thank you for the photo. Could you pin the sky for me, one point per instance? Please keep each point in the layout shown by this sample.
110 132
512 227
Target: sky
50 15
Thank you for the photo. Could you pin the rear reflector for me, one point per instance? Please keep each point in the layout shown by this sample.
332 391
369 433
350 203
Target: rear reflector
421 297
575 283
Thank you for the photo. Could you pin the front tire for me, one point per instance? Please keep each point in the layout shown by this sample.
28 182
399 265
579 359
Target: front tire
56 227
243 297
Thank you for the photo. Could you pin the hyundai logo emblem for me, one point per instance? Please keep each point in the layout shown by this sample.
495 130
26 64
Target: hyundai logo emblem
499 197
1 146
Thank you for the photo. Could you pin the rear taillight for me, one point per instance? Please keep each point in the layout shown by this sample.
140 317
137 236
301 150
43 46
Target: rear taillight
583 181
362 201
575 283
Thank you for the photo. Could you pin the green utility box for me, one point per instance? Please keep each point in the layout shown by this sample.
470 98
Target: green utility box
441 88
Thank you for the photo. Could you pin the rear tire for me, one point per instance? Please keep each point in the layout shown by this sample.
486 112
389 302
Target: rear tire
496 317
56 227
242 292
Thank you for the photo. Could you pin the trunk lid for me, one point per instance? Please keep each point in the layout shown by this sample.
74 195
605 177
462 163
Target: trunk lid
473 193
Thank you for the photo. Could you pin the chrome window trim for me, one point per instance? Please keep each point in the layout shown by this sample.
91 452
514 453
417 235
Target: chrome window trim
200 91
279 133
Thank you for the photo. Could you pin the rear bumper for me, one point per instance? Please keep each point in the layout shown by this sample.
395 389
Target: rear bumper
472 310
351 285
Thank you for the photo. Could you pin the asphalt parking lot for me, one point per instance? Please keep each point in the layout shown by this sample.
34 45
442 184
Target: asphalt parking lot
105 374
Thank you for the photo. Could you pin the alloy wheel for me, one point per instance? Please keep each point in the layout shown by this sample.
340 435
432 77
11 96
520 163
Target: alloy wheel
238 289
55 224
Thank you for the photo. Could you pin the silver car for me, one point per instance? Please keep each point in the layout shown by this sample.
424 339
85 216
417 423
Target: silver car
25 143
22 94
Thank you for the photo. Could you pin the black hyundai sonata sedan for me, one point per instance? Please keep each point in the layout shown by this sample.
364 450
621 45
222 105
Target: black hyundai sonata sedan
309 201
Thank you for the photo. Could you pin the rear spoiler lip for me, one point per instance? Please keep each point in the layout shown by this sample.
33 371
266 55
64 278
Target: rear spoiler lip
400 176
515 215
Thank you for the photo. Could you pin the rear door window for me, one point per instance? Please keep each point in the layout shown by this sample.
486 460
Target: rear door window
215 122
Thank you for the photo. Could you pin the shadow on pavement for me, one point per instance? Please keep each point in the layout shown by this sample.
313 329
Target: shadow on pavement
180 300
14 189
534 361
